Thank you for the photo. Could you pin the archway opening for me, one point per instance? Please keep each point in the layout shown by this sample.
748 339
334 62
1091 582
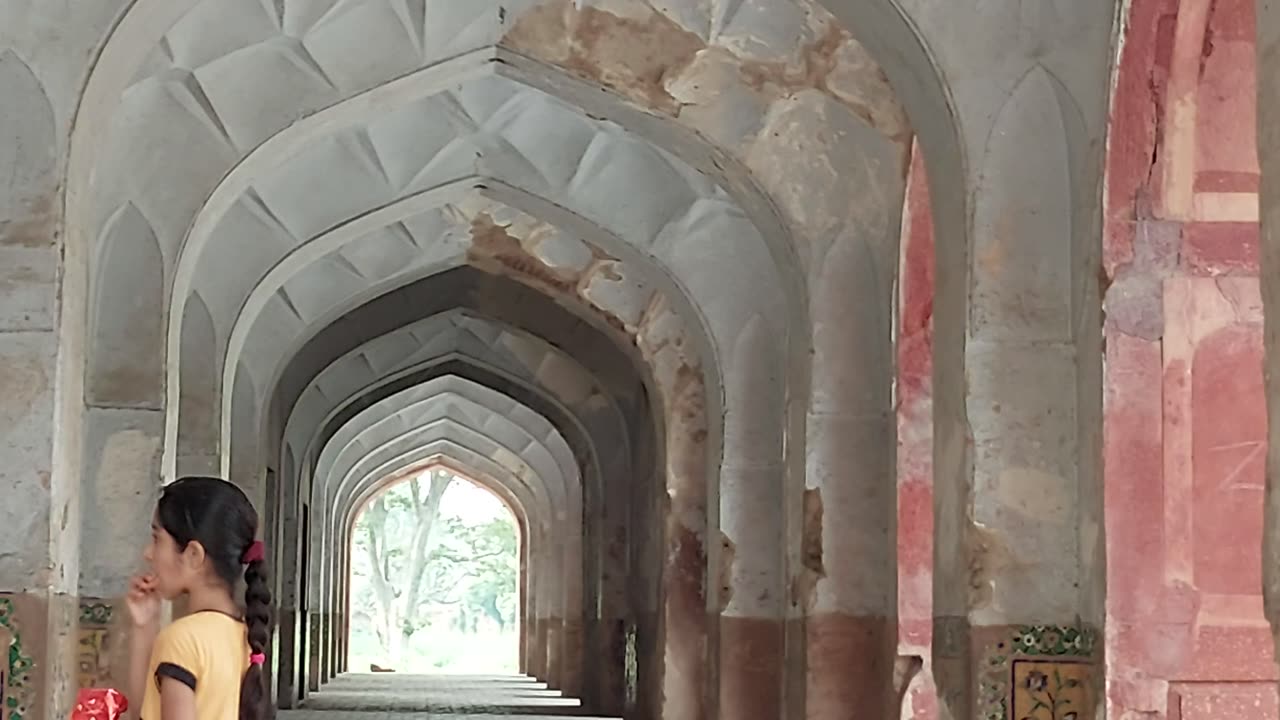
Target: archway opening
435 579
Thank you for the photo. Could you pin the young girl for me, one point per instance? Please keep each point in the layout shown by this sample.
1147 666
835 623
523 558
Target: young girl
208 664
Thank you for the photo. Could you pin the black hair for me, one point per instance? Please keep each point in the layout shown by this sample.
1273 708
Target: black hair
219 516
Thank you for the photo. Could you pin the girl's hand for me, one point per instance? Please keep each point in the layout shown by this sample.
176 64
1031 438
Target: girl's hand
143 601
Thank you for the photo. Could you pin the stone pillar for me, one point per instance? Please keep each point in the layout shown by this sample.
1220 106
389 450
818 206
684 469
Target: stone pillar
683 613
544 584
313 651
522 599
287 579
40 424
571 635
119 486
571 648
849 546
751 481
325 651
1009 100
604 671
1268 24
1019 579
558 589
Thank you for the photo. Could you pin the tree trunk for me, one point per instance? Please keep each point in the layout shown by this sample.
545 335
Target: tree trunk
425 509
376 529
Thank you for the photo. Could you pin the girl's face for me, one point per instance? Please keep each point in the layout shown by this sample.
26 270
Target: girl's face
174 568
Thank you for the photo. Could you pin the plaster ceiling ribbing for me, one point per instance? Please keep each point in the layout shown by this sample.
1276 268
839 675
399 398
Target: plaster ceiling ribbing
530 359
382 439
185 82
517 432
688 229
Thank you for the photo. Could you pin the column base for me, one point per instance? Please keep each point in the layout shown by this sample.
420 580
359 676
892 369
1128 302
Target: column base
850 665
1011 672
750 668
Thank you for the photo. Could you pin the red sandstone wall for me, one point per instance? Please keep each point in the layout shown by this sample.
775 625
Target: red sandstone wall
1185 420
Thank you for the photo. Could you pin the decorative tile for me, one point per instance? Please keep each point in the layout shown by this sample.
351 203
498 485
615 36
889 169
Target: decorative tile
95 613
1054 690
93 661
1040 672
16 690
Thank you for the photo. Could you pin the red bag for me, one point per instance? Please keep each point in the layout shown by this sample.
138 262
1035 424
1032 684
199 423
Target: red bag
99 704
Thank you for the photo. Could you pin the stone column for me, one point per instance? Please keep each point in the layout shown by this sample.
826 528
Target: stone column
313 651
290 556
751 622
39 515
523 616
325 646
542 589
1009 101
119 486
559 594
1019 579
1268 24
850 507
603 672
571 618
571 630
41 381
683 615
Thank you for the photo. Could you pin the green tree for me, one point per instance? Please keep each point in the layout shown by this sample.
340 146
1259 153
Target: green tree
396 522
413 567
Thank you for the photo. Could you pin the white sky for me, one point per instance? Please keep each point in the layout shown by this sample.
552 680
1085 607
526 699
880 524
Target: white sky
472 504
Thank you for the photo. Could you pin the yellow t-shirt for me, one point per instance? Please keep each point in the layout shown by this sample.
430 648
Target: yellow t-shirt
206 651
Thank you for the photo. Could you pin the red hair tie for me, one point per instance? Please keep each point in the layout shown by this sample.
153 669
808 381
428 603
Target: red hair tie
257 659
257 552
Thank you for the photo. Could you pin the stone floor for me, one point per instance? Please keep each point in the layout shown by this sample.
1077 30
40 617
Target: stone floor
394 696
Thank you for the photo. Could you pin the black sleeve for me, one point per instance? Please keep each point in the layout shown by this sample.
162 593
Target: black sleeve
176 672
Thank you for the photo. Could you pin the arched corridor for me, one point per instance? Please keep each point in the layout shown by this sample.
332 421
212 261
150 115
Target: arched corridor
885 358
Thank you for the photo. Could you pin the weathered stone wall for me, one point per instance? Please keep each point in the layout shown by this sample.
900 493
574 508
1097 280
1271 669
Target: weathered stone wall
1186 422
43 61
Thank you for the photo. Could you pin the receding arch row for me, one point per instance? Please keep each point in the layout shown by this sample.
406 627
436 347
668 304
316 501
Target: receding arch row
394 426
556 546
482 471
520 355
567 661
561 570
530 309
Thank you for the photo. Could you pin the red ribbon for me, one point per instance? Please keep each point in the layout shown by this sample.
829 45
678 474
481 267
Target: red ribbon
257 552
